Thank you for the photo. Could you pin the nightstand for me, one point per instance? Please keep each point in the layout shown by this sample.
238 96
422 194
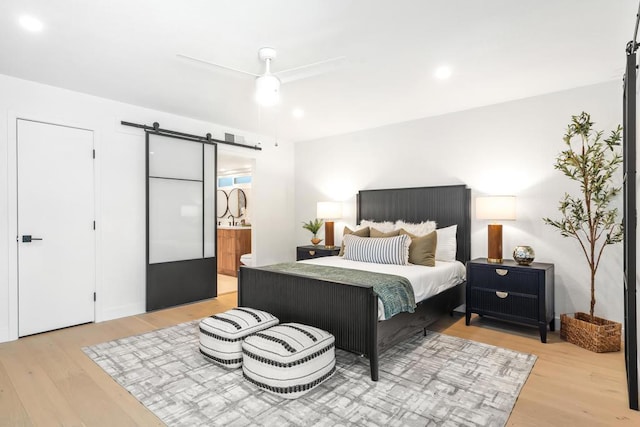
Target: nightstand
310 251
509 291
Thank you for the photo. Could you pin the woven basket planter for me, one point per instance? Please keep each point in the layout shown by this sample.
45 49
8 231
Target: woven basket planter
602 336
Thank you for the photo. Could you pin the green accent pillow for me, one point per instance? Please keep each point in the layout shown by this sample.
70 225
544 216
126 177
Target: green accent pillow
422 250
375 233
363 232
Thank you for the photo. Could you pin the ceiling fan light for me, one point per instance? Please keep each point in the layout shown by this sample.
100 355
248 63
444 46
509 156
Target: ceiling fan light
267 90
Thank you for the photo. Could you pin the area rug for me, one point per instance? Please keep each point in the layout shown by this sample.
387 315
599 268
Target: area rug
437 380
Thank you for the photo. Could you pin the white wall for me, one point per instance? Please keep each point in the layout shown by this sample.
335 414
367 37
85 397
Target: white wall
121 183
508 148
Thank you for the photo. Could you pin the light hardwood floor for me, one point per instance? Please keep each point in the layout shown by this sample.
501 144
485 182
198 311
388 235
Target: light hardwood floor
47 380
227 284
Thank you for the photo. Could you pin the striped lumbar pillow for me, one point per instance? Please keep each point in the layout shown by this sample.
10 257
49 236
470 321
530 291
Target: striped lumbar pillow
379 250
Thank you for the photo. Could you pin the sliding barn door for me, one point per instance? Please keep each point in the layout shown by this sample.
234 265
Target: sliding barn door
629 227
181 265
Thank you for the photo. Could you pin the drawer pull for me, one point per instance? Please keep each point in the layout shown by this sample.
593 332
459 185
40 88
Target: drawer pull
312 253
501 271
502 294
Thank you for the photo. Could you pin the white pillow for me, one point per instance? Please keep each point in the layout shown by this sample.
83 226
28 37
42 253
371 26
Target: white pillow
383 227
419 229
379 250
447 243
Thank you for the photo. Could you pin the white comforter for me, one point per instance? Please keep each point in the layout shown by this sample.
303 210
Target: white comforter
426 281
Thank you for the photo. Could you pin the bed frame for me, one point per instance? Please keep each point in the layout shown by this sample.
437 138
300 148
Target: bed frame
348 311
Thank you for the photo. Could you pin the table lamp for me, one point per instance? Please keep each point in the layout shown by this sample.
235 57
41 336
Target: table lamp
495 208
328 211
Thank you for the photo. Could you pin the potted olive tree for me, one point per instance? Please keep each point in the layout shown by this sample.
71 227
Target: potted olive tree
591 161
313 226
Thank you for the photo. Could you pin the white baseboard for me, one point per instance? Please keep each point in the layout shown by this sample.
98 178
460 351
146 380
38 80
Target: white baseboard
4 335
121 311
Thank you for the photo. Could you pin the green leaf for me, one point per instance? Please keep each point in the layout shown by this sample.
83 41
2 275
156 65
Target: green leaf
312 225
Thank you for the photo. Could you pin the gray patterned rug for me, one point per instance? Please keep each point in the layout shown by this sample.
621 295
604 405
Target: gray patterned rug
437 380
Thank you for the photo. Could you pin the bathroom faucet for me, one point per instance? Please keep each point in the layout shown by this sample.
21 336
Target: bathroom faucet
230 222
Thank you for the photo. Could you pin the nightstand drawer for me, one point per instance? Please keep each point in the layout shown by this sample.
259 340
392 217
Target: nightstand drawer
309 252
501 278
505 303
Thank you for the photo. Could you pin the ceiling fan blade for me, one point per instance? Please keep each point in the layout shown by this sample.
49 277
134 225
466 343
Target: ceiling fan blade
191 58
309 70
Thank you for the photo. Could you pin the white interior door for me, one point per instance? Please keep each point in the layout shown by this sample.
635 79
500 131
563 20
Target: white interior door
56 275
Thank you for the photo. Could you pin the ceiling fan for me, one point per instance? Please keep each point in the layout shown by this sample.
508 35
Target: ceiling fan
268 83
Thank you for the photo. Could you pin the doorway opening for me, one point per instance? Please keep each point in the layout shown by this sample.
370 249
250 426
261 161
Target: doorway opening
235 204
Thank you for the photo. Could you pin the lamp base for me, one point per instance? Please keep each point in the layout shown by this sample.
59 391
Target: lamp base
328 234
494 249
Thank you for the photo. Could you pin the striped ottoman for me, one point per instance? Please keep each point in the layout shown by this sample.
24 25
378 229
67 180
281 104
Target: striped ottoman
221 335
288 359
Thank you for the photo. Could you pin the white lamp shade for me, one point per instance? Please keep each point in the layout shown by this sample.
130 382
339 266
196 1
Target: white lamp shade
267 90
329 210
496 207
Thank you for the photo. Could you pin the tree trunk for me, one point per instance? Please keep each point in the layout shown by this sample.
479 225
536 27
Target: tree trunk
593 291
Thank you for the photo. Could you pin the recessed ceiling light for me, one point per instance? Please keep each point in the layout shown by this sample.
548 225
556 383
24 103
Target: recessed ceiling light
443 72
30 23
298 113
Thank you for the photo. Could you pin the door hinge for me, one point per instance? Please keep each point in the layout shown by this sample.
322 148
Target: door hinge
94 296
94 225
94 154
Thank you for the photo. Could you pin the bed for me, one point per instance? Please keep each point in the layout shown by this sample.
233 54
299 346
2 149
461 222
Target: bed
348 311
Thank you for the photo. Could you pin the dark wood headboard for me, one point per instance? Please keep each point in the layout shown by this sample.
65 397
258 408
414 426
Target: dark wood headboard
446 205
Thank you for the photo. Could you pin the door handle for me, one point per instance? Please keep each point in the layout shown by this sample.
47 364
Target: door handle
28 239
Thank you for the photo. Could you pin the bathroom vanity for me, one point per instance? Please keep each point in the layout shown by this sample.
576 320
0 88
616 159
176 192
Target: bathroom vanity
233 242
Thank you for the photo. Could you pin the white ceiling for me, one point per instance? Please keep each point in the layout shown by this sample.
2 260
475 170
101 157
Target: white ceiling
499 50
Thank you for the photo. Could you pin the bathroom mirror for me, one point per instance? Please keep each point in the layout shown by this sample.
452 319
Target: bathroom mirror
237 201
222 203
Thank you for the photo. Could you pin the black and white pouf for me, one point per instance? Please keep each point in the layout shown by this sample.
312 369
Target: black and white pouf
221 335
289 359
